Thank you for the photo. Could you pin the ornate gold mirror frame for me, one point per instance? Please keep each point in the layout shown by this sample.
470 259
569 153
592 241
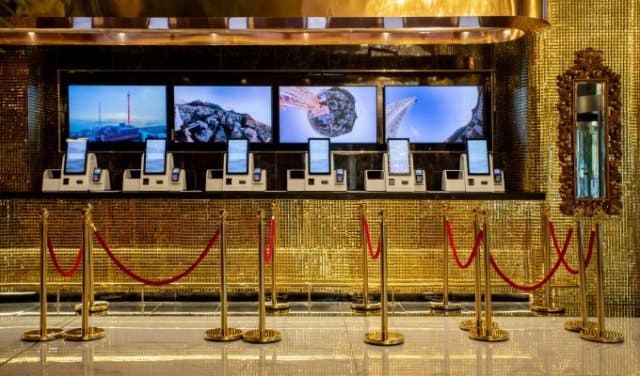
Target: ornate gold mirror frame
589 68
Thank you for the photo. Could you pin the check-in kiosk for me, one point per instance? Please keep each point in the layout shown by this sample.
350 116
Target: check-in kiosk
476 173
79 172
319 172
398 166
157 173
240 173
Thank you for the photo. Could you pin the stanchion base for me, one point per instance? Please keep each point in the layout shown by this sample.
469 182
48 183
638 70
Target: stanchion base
277 307
549 310
467 325
360 306
595 335
35 336
230 334
268 336
493 334
440 306
391 339
92 334
98 308
577 325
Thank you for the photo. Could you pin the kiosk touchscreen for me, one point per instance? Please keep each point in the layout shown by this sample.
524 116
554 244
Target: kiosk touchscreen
319 174
398 166
157 173
80 171
239 172
477 166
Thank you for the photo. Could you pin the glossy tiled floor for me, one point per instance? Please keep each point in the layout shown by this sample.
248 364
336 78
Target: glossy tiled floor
174 345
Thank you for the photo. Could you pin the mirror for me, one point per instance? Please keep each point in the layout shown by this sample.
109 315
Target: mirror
589 145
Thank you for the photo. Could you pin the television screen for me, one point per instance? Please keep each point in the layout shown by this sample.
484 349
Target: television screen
117 113
398 154
210 114
346 114
477 157
237 156
155 156
434 114
75 162
319 156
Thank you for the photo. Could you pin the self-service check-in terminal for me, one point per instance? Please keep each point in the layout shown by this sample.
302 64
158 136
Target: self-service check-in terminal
158 172
239 173
319 173
79 172
476 173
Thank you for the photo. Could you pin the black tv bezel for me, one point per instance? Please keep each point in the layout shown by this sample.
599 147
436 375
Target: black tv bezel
65 171
309 140
488 173
408 155
246 159
144 158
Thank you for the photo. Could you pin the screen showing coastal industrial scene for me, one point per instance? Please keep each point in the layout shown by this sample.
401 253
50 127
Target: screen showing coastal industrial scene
117 113
434 114
212 114
346 114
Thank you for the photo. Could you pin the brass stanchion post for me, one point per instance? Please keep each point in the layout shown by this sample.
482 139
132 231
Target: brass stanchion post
274 305
583 323
548 306
96 307
261 335
85 333
599 332
487 331
366 304
223 333
383 337
445 305
43 334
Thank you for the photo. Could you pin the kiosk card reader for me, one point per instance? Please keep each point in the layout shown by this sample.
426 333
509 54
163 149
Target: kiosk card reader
398 166
79 172
239 172
158 172
320 174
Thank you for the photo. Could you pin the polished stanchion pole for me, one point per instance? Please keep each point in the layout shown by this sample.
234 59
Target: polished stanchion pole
274 305
445 305
365 304
599 333
85 333
488 331
223 333
583 323
547 306
96 307
261 335
383 337
43 334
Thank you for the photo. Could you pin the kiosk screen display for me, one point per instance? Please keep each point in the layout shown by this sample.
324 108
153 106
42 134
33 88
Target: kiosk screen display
477 157
319 157
398 154
237 156
155 157
75 162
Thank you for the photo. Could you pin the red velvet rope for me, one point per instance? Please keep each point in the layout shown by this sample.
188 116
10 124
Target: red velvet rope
163 282
268 253
365 225
567 238
56 264
474 250
537 285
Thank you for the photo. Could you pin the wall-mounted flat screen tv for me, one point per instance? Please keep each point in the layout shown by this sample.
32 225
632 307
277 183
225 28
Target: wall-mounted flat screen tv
155 157
215 114
435 114
237 156
112 114
75 160
477 157
345 114
319 156
398 154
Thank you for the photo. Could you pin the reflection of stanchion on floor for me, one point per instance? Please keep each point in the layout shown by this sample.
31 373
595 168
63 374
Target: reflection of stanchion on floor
43 334
383 337
223 333
487 331
273 304
599 332
96 307
445 305
365 304
85 333
583 323
548 306
261 335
